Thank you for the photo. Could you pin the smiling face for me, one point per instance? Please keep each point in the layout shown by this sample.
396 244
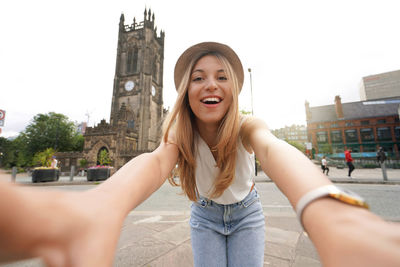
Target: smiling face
210 91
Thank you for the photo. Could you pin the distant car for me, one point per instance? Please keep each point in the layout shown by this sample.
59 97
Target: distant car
45 175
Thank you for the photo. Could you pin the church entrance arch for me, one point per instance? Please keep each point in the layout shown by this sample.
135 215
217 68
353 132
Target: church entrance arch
99 154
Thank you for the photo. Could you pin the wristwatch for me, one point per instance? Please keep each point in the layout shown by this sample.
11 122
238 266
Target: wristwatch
332 191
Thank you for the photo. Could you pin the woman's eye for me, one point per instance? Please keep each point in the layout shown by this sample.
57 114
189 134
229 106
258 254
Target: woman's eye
223 78
196 79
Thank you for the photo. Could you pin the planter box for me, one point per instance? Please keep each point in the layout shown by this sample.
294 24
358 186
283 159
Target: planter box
45 175
98 174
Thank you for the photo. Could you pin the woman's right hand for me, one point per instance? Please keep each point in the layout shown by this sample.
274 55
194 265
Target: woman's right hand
63 228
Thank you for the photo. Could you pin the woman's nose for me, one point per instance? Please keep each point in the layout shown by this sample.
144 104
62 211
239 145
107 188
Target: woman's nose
212 84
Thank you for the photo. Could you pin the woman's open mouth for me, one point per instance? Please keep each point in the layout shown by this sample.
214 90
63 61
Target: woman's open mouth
211 100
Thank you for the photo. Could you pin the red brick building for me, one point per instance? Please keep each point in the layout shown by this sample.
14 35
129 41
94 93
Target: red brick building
362 126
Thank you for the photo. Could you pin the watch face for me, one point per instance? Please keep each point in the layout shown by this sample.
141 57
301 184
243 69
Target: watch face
153 90
129 85
349 197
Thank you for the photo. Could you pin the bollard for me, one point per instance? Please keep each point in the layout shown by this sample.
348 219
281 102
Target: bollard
72 173
14 174
383 167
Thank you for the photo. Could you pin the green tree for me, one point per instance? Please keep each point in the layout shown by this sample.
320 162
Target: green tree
77 142
50 130
244 112
298 145
13 153
5 146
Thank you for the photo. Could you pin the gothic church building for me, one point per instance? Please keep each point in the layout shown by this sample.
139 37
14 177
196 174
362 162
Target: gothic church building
137 104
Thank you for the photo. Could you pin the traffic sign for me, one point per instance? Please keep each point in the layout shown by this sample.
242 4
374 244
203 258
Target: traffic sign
2 116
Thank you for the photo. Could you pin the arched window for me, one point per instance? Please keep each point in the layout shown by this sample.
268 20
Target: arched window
132 61
103 156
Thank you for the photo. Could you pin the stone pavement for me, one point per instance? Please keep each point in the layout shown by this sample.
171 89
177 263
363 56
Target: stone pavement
162 238
158 239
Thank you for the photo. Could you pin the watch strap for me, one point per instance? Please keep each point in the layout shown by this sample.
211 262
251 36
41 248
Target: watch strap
309 197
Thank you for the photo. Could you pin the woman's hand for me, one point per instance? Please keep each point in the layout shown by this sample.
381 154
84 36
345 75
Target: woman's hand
79 228
346 235
67 229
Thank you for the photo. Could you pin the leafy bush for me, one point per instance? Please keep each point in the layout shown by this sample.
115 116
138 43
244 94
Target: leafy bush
370 166
83 163
104 158
44 158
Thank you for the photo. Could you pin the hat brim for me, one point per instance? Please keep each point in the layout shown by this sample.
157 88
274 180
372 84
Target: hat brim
203 48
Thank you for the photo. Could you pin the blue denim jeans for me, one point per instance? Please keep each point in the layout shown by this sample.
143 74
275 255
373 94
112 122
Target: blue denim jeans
228 235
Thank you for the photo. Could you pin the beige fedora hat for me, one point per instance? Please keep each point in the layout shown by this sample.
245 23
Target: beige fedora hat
204 48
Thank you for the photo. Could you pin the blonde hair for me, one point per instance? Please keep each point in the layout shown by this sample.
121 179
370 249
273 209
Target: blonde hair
182 121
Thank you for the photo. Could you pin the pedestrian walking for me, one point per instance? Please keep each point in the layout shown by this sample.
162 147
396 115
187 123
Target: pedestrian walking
324 165
381 157
349 161
213 147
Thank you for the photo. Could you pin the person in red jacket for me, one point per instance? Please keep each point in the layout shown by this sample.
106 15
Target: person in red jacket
349 160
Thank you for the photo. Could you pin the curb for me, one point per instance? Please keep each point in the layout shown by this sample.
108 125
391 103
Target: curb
258 179
342 181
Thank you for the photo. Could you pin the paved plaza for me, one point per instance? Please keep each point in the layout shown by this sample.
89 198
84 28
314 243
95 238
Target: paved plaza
162 238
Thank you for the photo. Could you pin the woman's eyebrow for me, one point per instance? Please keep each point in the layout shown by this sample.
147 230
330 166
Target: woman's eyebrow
197 70
200 70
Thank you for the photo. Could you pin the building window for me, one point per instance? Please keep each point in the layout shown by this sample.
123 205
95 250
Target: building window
349 124
355 148
397 132
320 126
132 61
336 136
364 122
334 125
389 148
351 135
367 134
135 60
384 133
369 148
128 65
337 148
131 124
382 121
322 137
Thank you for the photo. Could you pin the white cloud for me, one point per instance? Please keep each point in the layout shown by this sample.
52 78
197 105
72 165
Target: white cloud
60 55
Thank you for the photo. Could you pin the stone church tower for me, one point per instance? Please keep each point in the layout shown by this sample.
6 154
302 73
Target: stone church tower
137 94
137 105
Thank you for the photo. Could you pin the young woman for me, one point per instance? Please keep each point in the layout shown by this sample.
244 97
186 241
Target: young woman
213 146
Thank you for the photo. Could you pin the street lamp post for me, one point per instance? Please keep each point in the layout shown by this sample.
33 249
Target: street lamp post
251 92
252 114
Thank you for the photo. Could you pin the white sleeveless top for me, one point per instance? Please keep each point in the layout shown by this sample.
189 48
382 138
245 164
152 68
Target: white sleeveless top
206 173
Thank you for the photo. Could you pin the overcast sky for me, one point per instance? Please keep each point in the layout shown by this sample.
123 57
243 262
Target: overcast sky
60 55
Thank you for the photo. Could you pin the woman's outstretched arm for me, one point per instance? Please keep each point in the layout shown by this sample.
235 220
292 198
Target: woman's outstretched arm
344 235
78 228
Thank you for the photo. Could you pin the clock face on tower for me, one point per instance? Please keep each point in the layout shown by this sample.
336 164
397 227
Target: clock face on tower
153 90
129 85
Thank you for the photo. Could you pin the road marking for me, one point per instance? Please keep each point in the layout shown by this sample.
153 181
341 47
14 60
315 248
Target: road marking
149 220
